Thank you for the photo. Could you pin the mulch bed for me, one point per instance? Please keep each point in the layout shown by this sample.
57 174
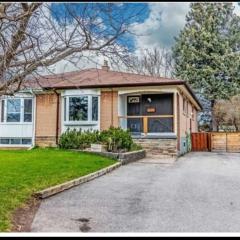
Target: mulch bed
23 217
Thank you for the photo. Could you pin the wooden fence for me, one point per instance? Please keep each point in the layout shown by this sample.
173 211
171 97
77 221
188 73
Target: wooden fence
216 141
200 141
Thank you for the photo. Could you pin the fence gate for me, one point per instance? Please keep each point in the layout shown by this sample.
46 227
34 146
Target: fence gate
200 141
216 142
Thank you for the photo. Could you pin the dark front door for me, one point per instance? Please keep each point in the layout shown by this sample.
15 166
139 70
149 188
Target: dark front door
134 124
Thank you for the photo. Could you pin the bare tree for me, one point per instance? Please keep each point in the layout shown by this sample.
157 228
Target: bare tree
156 62
227 114
33 37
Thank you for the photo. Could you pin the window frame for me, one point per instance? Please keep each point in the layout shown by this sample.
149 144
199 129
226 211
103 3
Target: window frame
89 120
5 110
27 113
10 112
21 139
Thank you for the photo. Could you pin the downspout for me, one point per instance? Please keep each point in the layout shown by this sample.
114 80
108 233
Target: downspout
34 118
57 119
112 110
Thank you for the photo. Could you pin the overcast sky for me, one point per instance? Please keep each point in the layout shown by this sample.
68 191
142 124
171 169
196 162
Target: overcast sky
164 22
158 28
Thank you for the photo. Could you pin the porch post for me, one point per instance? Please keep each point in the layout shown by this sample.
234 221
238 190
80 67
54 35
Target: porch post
145 125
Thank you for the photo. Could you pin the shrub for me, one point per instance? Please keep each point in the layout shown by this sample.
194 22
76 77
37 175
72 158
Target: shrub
135 147
116 139
78 139
69 139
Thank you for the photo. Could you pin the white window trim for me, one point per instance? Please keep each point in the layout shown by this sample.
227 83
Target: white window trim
83 122
16 145
21 122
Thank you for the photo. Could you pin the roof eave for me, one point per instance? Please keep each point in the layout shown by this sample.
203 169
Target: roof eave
179 82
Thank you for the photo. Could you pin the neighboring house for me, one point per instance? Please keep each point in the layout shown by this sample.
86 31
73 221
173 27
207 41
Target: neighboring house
158 111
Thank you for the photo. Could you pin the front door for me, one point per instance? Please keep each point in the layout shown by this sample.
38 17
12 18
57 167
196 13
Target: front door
134 124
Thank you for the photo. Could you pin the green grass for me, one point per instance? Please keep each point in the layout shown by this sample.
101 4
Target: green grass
23 172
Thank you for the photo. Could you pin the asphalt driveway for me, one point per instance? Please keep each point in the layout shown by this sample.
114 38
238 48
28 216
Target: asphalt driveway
198 193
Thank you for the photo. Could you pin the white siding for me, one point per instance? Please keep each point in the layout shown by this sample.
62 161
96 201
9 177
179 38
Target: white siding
19 129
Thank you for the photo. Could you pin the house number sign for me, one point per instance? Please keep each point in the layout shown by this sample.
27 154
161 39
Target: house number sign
133 99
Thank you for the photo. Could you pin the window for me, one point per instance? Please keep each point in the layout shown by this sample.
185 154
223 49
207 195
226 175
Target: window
16 110
27 110
65 108
15 141
78 108
26 141
13 110
4 141
160 125
81 108
2 110
184 105
157 104
94 108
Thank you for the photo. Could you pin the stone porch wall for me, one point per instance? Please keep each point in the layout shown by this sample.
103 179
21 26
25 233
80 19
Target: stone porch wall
156 147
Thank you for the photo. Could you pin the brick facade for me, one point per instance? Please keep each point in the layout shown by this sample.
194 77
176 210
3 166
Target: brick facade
109 109
46 120
188 122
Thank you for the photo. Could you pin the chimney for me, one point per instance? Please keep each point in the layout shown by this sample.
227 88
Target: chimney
105 66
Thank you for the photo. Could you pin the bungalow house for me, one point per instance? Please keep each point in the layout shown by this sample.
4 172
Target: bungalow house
159 112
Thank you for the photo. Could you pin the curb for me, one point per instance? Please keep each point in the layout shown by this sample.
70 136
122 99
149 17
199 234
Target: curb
48 192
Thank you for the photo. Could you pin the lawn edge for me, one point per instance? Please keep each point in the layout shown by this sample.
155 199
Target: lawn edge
22 217
48 192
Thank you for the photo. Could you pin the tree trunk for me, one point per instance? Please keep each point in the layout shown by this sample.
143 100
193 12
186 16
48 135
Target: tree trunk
213 123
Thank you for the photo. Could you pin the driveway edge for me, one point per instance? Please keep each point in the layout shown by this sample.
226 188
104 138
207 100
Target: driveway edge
48 192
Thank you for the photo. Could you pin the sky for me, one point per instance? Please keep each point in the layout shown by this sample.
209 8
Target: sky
160 22
165 21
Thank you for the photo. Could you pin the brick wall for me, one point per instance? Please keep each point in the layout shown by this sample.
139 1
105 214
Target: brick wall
109 109
46 120
187 122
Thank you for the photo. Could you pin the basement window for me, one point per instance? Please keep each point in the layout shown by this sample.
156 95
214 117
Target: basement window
15 141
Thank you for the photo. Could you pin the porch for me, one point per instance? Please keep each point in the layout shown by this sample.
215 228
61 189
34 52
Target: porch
148 114
151 118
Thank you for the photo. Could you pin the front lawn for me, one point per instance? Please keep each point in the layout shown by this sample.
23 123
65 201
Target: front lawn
23 172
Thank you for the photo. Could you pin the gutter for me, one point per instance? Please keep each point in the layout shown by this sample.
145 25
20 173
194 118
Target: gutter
179 82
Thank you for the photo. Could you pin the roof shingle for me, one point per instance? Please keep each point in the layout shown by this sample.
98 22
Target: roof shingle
100 78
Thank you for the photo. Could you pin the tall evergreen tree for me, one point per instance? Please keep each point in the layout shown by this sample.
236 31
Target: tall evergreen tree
206 52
